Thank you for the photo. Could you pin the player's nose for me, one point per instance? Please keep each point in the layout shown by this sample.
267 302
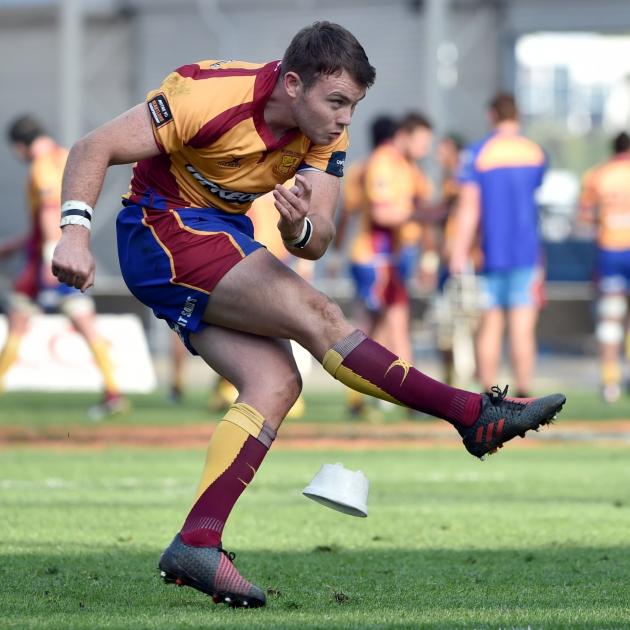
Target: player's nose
344 117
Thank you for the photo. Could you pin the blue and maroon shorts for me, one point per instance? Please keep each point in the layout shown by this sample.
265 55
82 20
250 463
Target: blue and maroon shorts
613 270
172 260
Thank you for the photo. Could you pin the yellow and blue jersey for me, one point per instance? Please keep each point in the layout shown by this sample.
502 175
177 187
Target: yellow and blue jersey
507 168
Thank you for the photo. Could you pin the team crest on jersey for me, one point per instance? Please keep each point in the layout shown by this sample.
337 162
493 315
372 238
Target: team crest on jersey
175 85
160 110
232 163
289 161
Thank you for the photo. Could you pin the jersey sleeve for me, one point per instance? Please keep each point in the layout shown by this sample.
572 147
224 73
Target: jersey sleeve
329 158
380 183
423 186
468 173
353 187
45 185
182 105
543 167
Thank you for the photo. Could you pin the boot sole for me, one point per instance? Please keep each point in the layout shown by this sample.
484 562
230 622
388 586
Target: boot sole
218 597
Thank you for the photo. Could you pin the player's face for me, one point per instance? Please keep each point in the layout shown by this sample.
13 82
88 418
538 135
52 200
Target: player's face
20 151
447 154
419 143
324 110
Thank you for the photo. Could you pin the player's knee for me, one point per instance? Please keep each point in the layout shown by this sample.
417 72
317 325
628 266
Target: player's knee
79 308
293 386
609 331
281 390
327 310
611 307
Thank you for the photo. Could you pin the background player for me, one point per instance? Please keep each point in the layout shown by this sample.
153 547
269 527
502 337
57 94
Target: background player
187 250
36 288
499 177
456 297
605 203
355 208
384 252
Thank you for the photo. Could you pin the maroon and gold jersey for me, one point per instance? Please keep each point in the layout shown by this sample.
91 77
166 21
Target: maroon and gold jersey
354 188
217 149
389 178
607 187
43 190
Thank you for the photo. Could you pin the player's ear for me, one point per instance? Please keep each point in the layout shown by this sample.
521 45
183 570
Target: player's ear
292 84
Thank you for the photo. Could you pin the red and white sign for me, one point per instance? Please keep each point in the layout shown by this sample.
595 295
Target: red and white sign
53 356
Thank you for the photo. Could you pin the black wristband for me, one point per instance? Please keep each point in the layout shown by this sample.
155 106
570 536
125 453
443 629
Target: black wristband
76 213
307 235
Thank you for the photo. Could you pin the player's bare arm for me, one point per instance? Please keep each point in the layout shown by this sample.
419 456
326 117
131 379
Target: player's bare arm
12 246
315 196
126 139
49 226
467 221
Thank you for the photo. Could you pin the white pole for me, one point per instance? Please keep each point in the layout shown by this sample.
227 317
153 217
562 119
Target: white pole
71 47
437 60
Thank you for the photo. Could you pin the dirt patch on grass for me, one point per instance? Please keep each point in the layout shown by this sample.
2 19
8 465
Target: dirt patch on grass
297 435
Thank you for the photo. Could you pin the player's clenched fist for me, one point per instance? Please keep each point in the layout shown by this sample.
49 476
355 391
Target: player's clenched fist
73 263
293 205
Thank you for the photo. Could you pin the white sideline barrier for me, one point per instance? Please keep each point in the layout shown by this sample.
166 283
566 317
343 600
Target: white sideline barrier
54 357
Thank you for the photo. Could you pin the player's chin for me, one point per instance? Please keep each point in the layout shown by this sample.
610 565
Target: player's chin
319 137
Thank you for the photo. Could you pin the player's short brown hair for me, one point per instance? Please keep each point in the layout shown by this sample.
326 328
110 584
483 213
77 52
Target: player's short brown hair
25 129
382 129
324 49
412 120
621 143
503 107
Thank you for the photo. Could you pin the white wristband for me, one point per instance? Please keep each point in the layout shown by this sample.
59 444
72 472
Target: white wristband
305 236
76 213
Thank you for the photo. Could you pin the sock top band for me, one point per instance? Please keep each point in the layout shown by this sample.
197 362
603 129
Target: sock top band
251 421
346 345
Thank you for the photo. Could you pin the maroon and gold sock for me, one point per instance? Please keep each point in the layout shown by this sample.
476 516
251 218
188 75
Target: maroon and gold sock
236 450
364 365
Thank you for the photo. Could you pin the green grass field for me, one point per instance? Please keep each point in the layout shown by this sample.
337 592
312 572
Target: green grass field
532 538
53 409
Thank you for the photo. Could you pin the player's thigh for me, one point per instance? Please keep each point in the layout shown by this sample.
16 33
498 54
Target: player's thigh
522 322
262 369
262 296
491 326
397 318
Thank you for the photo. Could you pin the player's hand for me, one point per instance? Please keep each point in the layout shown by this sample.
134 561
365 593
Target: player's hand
292 205
458 263
73 263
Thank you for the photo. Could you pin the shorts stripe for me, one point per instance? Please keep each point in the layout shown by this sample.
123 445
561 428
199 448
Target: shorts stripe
185 248
204 233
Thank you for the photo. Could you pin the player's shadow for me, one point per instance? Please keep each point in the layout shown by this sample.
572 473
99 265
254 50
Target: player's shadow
326 587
